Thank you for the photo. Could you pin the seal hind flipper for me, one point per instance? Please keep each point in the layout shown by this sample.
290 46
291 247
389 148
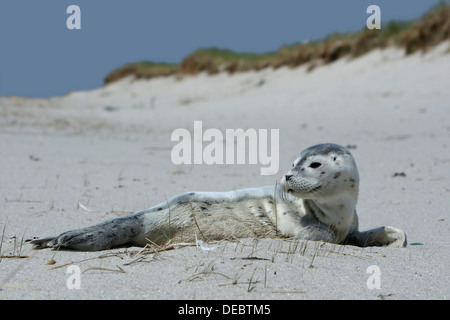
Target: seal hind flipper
102 236
42 243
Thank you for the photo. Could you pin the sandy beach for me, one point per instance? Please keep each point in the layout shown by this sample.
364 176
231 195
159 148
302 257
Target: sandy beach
73 161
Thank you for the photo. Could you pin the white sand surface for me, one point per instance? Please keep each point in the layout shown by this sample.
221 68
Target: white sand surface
109 149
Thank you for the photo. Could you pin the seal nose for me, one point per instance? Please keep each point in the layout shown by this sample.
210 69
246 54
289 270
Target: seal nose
288 177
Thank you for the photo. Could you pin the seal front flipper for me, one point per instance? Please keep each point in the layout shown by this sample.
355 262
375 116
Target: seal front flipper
106 235
381 236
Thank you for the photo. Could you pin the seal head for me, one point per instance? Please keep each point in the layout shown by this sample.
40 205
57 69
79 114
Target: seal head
322 171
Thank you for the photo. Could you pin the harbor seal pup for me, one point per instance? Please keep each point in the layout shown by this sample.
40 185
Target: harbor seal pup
315 200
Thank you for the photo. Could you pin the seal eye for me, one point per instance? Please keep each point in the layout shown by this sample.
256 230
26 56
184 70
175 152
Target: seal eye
315 165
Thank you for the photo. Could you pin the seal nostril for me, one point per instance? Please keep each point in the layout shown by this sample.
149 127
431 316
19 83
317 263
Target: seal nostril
288 176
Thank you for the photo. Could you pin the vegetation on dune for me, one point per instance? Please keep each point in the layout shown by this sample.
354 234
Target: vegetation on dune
145 69
431 29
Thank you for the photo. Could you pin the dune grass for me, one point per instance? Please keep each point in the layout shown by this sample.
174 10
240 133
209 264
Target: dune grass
145 69
431 29
16 249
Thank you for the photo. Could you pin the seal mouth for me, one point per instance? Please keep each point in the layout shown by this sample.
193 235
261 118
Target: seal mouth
305 189
305 192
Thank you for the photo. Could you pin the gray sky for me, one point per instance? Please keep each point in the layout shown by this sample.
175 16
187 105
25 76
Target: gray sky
40 57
